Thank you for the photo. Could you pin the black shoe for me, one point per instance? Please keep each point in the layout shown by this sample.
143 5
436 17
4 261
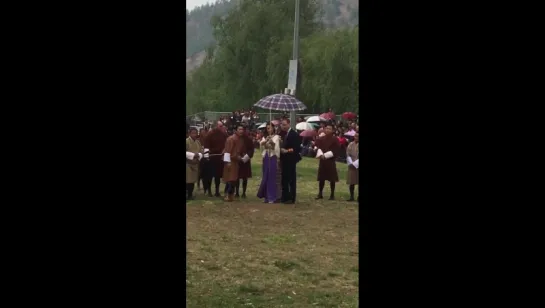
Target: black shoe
332 198
217 194
243 196
210 194
319 197
288 202
351 199
237 196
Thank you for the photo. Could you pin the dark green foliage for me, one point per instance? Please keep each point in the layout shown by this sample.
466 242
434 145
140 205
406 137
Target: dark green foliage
253 47
199 32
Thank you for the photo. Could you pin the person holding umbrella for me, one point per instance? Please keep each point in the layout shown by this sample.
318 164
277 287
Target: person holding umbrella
349 115
328 149
290 144
289 156
307 137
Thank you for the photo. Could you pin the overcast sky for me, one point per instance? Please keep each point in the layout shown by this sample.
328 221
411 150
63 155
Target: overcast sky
191 4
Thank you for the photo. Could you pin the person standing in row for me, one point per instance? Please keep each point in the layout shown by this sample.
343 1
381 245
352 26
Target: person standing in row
328 149
193 155
245 165
202 164
270 188
214 144
232 155
289 156
352 159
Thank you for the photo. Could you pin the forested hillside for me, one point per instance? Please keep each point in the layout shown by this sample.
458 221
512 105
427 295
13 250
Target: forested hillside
198 29
334 13
251 54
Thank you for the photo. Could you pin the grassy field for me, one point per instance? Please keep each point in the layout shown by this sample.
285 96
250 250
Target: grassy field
251 254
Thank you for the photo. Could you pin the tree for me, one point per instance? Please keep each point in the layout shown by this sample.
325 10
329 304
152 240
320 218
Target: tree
252 52
244 39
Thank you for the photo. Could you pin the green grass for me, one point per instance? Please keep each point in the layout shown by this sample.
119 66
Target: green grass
250 254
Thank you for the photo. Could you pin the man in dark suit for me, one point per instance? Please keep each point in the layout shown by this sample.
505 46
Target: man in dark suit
289 157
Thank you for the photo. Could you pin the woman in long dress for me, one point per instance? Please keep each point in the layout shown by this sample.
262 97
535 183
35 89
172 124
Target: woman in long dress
270 188
352 159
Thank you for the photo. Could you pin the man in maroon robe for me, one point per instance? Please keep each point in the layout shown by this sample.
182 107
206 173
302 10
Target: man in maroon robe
203 166
232 155
245 166
328 149
214 144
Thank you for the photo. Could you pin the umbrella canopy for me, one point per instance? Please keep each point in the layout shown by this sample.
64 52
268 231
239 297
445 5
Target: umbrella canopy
304 126
263 125
281 102
349 115
350 133
328 115
316 119
308 133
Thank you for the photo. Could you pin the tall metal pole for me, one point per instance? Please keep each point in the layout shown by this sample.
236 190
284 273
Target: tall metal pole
296 32
295 51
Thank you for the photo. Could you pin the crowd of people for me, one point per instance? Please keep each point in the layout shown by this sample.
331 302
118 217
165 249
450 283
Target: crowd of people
223 153
343 130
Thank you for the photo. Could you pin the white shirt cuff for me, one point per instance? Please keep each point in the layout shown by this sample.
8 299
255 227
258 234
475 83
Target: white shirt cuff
319 153
349 160
356 163
227 157
200 156
189 155
328 154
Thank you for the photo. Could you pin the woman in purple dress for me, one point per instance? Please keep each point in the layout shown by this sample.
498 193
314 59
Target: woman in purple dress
270 188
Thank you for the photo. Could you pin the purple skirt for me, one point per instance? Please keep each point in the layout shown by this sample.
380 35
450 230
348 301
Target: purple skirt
270 187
